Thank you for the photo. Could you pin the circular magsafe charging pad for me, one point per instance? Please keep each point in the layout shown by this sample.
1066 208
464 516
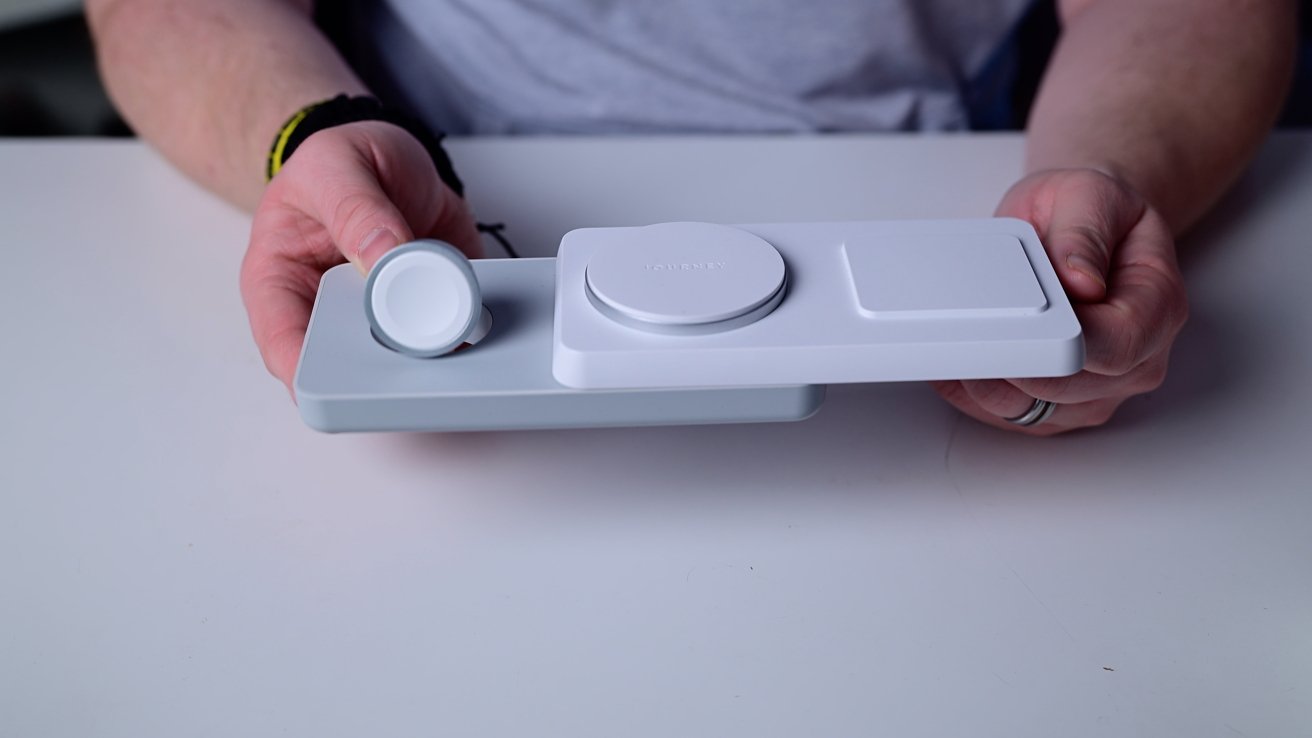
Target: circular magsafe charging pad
687 278
422 299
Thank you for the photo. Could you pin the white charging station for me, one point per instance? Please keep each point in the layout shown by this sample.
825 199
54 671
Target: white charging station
679 323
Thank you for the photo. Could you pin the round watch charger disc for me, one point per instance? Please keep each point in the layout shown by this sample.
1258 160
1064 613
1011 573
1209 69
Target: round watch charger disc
422 299
687 278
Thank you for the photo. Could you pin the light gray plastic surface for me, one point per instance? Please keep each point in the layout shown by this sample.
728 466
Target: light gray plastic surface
348 381
875 301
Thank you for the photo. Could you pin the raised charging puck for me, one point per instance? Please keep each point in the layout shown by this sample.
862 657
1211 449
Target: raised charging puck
422 299
687 278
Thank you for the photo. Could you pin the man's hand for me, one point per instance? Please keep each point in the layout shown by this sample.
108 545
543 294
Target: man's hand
1116 258
349 193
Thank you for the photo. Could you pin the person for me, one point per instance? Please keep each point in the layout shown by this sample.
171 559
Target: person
1146 112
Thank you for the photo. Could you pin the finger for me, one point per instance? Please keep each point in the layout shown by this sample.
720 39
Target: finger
1013 397
279 303
359 217
409 179
1146 305
1064 417
1137 305
997 397
435 210
957 395
1087 386
1080 217
334 181
455 224
280 275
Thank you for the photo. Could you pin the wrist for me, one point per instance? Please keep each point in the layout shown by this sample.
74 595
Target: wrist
344 109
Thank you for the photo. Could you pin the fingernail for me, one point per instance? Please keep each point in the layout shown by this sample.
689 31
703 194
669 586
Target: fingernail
372 247
1085 266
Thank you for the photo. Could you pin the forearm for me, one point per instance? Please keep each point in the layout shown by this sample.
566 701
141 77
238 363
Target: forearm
1171 96
209 83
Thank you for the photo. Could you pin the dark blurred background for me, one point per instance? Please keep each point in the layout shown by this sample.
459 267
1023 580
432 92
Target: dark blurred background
49 86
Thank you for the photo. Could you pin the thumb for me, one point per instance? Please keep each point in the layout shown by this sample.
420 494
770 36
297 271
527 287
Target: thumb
372 246
362 221
344 195
1080 246
1081 216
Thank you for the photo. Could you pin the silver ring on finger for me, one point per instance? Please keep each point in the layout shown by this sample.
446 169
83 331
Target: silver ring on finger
1040 411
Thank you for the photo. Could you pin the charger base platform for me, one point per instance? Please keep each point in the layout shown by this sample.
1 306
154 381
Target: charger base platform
873 301
347 381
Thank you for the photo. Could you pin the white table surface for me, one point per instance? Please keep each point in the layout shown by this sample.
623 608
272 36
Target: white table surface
179 556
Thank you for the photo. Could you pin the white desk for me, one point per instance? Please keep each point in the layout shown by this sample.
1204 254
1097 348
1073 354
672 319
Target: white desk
179 556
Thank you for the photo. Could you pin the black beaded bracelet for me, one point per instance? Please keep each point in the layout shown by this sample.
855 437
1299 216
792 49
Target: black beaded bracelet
345 109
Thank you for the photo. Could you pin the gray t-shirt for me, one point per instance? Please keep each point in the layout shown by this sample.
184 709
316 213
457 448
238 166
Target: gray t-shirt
622 66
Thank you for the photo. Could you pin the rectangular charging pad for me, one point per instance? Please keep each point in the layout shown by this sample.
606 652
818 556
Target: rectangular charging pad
941 277
876 301
347 381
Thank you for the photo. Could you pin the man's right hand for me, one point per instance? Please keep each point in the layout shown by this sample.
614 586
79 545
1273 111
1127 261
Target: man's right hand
348 193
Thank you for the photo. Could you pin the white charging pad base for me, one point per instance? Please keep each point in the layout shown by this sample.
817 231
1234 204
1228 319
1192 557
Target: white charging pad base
348 381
